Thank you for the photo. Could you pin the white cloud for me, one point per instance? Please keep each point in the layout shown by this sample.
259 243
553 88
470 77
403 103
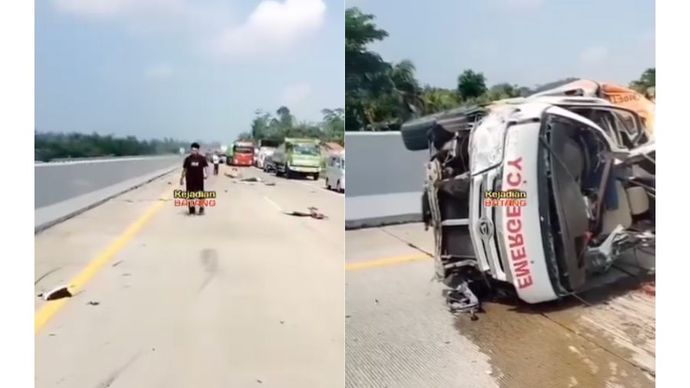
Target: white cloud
160 71
272 27
593 55
295 95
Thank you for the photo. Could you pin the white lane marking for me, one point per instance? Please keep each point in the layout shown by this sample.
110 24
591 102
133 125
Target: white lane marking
275 205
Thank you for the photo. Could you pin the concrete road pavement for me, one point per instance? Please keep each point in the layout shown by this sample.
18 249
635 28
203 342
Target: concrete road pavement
400 333
243 296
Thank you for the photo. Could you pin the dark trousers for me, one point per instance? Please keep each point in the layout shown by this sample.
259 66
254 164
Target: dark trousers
215 168
191 188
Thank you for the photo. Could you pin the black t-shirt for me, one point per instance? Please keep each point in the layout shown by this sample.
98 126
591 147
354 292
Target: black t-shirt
195 165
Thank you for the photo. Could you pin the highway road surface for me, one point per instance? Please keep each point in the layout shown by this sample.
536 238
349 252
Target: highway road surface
400 333
242 296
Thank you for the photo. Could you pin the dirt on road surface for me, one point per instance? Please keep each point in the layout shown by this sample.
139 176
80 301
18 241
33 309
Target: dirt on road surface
400 333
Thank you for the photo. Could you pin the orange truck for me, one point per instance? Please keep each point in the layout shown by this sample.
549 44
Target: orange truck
242 153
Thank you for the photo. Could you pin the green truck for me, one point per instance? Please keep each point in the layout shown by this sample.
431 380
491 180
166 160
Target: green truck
298 157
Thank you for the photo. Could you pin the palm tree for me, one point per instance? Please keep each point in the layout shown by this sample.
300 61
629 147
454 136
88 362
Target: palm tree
407 88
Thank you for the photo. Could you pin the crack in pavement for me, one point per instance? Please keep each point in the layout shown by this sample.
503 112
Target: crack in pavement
46 275
113 376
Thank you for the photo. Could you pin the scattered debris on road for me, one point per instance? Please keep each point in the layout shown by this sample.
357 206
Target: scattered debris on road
259 381
463 300
282 322
233 175
313 213
115 264
57 293
93 303
252 179
270 183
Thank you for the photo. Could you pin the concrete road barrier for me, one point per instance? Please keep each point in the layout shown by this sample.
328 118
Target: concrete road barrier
63 189
384 180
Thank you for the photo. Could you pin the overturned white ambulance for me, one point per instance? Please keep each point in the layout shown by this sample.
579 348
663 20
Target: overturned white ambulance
536 195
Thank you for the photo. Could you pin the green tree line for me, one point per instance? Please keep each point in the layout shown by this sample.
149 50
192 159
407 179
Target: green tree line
49 146
382 95
276 127
265 126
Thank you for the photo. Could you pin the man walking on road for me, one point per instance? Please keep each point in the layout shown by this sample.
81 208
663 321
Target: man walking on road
194 172
216 163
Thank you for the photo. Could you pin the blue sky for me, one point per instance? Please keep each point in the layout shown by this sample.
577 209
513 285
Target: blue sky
189 69
526 42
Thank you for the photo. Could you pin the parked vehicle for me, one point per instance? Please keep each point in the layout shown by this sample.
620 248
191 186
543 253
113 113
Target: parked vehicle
269 166
242 154
535 195
335 172
298 157
223 154
264 153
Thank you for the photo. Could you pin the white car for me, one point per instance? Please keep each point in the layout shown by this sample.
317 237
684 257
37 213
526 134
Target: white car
535 196
335 172
262 156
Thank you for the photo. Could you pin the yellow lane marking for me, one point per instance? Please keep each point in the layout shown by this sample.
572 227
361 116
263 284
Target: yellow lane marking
386 262
49 309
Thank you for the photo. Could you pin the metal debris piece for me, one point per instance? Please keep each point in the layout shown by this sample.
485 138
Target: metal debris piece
313 213
252 179
270 183
57 293
93 303
233 175
463 300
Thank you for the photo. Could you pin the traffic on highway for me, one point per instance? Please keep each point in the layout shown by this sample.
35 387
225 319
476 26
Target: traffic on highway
246 292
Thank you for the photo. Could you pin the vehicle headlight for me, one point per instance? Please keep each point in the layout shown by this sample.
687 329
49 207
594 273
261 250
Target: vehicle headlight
486 144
